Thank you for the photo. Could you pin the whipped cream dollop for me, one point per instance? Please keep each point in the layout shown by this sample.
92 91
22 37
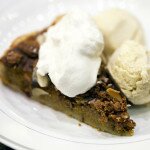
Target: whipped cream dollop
71 53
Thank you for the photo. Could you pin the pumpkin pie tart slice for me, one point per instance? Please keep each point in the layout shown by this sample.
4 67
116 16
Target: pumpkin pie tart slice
103 107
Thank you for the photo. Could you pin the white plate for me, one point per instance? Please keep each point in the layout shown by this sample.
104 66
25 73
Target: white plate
25 124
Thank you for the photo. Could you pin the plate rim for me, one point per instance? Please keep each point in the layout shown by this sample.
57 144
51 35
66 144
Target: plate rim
18 145
13 145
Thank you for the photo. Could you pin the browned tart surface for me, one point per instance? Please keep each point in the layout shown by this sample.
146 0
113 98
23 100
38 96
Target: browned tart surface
102 107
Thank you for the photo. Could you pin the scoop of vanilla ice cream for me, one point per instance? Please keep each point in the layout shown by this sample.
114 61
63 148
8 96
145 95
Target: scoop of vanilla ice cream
117 27
130 68
71 53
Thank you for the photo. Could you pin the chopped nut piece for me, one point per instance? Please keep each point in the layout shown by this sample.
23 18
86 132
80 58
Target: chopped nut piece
114 93
29 47
29 65
13 57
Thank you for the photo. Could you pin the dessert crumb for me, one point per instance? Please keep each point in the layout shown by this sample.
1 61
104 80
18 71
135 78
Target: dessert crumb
79 124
